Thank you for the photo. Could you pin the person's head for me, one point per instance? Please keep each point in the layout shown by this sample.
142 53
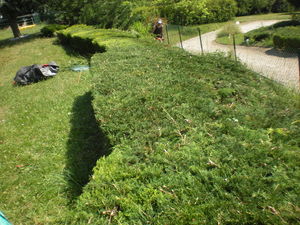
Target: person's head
160 22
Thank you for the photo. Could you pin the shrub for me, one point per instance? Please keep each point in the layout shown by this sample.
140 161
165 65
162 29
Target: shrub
88 40
287 38
296 17
193 137
221 10
140 29
229 29
188 12
49 30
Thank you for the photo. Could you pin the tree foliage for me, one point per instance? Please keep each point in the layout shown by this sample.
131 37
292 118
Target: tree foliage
248 7
295 3
123 13
10 9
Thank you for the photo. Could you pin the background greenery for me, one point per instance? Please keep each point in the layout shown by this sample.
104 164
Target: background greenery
122 14
282 35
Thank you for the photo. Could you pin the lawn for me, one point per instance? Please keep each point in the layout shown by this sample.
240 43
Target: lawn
39 136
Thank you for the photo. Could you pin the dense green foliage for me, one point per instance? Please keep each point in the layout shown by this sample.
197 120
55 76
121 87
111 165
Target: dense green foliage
282 35
10 9
197 12
50 29
199 139
295 3
248 7
229 29
123 13
287 38
88 40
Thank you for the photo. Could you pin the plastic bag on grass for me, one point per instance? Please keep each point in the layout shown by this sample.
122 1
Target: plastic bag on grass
34 73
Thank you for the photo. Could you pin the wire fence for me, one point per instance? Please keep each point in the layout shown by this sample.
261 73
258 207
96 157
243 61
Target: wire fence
280 66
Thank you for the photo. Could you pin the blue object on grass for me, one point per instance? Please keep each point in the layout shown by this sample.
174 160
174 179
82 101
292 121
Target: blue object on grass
80 68
3 220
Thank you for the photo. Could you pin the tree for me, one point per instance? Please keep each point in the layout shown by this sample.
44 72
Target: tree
295 3
11 9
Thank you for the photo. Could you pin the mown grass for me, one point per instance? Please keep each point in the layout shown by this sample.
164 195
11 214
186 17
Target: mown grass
270 16
49 139
228 40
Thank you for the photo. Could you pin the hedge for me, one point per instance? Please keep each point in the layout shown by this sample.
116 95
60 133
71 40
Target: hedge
195 139
287 38
283 35
87 39
49 30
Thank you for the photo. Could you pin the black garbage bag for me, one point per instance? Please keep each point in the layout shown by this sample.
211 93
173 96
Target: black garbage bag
34 73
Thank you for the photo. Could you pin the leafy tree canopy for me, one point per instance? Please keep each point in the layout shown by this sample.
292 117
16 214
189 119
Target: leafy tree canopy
295 3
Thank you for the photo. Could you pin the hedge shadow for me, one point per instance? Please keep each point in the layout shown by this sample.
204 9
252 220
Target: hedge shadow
86 145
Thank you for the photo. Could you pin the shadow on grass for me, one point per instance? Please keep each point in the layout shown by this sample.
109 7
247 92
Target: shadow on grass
11 42
86 145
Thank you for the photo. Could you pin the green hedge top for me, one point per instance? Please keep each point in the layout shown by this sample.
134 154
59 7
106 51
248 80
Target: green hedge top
98 38
287 38
196 140
50 29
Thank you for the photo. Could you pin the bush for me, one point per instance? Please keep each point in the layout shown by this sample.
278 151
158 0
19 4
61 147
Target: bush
140 29
287 38
221 10
296 17
193 137
49 30
88 40
229 29
259 34
189 12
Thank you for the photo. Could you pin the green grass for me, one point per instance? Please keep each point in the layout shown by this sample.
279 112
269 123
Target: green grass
196 138
228 40
41 137
270 16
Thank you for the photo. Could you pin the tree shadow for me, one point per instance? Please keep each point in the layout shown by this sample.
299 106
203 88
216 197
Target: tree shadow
8 42
86 145
281 53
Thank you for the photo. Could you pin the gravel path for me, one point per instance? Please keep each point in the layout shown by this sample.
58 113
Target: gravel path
281 67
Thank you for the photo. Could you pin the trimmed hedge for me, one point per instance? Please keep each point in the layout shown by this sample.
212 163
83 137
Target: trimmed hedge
196 140
89 40
282 35
49 30
287 38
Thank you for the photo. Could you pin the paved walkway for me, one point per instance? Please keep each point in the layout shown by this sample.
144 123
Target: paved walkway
281 67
